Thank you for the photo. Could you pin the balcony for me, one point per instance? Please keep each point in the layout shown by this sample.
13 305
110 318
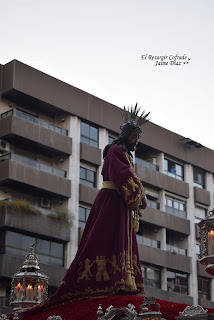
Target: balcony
87 194
25 175
33 163
168 221
176 212
32 119
168 296
202 196
90 154
162 181
9 265
146 164
176 250
148 242
35 132
164 258
21 218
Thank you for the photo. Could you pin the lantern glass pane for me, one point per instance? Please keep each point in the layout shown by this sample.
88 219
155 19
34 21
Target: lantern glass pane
210 241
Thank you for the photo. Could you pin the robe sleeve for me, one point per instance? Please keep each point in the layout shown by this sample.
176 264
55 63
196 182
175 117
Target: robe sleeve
123 176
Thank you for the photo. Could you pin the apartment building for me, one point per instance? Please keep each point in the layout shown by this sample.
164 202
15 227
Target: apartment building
51 140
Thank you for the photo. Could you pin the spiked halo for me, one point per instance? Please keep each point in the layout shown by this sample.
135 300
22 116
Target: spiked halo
131 113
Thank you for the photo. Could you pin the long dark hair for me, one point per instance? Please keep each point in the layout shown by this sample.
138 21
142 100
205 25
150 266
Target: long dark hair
129 116
125 131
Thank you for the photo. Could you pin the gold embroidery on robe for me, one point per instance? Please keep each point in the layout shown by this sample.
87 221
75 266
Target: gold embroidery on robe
133 185
138 179
127 191
102 273
123 260
114 266
135 200
86 274
136 268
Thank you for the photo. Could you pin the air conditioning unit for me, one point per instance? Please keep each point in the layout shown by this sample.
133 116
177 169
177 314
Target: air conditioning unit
45 203
4 146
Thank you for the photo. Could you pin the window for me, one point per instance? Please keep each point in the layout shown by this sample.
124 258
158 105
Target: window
110 139
173 169
145 235
175 207
6 114
204 288
48 252
177 282
151 276
198 178
26 116
197 220
89 134
151 202
83 215
87 177
197 249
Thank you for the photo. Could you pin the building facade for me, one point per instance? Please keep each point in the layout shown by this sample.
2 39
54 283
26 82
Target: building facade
51 140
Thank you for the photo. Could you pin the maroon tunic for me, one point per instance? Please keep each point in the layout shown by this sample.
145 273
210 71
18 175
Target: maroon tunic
107 260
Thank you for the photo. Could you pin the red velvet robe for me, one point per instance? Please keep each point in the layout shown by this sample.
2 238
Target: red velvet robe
107 260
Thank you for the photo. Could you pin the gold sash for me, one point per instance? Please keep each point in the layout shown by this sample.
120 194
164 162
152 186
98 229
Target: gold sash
108 185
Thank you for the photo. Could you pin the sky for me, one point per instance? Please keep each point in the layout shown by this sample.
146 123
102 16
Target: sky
158 53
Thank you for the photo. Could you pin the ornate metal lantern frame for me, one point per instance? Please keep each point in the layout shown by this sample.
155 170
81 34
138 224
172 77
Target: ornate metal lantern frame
206 232
130 313
29 285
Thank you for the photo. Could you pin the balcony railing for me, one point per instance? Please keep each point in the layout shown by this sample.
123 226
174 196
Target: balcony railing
152 283
146 164
148 242
173 175
33 163
176 212
35 120
176 250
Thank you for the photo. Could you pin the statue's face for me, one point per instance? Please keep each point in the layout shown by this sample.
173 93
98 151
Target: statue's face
132 140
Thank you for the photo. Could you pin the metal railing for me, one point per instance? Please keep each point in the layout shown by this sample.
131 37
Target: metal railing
176 212
146 164
148 242
33 163
176 250
35 120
